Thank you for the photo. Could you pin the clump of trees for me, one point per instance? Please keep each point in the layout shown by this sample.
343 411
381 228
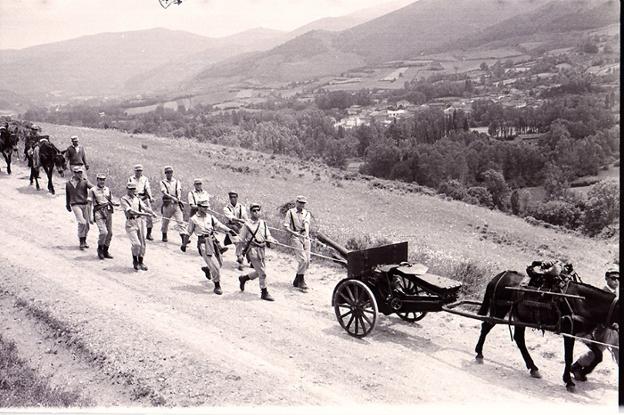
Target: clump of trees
577 137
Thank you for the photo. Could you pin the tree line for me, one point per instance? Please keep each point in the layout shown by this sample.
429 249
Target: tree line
577 136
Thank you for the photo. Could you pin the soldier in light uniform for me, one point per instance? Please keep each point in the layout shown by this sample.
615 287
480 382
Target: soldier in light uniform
144 191
204 225
197 195
297 223
236 215
172 206
136 211
77 201
255 236
102 207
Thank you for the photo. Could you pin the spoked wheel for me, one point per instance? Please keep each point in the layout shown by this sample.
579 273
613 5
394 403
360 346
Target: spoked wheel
410 288
355 307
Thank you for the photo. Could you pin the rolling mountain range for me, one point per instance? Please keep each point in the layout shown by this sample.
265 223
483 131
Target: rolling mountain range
110 64
122 64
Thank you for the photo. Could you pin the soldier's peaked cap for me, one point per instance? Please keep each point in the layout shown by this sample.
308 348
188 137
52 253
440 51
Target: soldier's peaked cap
168 168
254 205
138 167
74 137
202 203
131 185
76 169
197 181
302 199
101 176
232 193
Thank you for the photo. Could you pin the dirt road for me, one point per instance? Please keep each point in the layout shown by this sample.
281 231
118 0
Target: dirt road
163 337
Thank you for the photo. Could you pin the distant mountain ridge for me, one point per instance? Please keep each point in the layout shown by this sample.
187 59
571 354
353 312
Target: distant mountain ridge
93 65
178 62
553 17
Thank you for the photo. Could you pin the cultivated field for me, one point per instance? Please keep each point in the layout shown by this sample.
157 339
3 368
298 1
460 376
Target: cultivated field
118 337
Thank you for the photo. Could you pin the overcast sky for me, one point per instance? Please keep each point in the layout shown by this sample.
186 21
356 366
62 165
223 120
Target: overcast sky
30 22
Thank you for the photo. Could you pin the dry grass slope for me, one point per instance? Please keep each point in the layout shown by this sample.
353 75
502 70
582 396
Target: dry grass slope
451 237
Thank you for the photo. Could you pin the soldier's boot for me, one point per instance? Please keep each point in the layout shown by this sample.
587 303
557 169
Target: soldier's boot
302 284
206 272
107 255
86 245
82 243
141 264
265 295
100 251
184 242
149 234
296 280
135 262
241 281
164 237
217 288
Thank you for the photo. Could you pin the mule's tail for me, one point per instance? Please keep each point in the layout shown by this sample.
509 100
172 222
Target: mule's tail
489 293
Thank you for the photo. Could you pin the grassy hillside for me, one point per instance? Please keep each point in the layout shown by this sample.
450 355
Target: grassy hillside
405 33
444 234
555 17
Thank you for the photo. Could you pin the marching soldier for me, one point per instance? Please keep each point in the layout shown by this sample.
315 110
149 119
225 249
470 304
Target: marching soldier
135 211
76 154
236 215
204 225
297 223
172 206
102 206
144 191
197 195
77 201
255 236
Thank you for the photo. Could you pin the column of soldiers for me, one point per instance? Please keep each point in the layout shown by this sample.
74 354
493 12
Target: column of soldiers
248 233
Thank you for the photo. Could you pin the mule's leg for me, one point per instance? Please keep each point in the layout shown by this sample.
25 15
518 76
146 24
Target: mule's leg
50 184
597 358
520 341
485 329
568 346
8 162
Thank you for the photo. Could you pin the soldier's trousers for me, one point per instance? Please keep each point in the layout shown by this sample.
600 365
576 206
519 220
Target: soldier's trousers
172 210
135 229
302 253
210 255
104 222
603 335
256 257
81 214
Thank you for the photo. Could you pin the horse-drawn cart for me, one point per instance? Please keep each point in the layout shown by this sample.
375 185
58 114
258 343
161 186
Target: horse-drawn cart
380 280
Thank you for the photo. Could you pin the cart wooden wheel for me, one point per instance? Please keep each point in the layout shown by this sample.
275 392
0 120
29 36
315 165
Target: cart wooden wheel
355 307
410 288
